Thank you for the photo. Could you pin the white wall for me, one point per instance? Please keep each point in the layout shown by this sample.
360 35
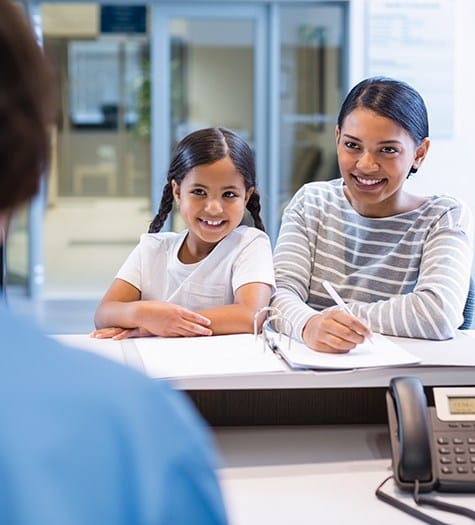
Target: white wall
448 167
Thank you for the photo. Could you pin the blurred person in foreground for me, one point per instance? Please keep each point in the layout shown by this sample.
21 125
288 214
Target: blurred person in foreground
83 440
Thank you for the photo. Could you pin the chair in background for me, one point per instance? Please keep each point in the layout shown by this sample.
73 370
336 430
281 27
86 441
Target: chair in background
105 168
132 174
469 307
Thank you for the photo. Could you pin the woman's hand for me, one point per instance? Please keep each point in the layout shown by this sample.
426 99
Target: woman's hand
334 331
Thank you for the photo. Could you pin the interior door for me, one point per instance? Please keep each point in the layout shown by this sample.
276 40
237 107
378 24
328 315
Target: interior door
208 70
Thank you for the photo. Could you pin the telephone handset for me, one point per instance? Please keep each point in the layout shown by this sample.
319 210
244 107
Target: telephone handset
434 445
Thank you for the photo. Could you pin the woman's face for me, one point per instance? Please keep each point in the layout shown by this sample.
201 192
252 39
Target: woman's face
375 155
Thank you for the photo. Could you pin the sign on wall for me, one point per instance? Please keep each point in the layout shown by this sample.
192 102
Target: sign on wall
413 41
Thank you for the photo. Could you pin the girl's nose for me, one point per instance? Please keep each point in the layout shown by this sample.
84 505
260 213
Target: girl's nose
214 206
367 162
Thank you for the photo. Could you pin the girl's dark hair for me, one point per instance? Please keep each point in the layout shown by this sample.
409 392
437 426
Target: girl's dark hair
392 99
26 108
206 146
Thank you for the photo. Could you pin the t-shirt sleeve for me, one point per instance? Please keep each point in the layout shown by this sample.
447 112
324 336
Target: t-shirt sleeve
254 261
131 269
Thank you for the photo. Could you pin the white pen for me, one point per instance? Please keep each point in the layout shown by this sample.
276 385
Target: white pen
339 301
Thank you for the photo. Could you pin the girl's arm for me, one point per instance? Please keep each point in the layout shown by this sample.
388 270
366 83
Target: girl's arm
239 317
122 309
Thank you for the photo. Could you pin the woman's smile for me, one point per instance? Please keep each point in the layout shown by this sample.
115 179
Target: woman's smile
368 183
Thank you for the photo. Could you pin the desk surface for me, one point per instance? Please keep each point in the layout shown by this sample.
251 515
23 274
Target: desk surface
448 355
312 475
303 397
323 474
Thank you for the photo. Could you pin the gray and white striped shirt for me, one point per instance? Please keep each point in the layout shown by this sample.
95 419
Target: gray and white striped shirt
406 275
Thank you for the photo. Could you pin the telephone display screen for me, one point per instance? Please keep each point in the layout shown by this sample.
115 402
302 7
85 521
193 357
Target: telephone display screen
462 405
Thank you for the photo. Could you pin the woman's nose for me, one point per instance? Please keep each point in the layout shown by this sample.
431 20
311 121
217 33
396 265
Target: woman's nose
367 162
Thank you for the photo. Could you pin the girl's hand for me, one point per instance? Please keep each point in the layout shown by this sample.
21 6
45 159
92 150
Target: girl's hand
106 333
118 333
170 320
334 331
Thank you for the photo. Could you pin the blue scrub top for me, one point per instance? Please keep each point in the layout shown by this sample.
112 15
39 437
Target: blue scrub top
84 440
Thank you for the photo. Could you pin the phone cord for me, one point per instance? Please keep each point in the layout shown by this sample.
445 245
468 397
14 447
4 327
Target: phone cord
441 505
416 513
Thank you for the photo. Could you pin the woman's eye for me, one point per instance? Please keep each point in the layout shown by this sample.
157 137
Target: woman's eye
198 192
389 149
351 145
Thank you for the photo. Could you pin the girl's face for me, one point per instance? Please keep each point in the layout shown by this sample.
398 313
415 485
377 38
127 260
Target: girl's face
375 155
212 199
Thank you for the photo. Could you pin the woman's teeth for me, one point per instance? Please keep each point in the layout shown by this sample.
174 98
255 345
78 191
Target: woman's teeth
368 182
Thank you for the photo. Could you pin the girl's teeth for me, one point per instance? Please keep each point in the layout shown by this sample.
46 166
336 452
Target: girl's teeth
368 182
213 223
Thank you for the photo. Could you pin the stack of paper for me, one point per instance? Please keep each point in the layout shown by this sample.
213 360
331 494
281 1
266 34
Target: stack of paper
244 354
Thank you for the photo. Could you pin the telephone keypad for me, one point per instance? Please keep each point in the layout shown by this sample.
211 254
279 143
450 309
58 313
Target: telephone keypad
455 452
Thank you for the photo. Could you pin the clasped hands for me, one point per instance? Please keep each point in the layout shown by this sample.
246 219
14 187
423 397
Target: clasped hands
158 318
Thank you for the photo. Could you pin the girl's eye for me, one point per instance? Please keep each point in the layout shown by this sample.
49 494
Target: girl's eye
351 145
198 191
229 194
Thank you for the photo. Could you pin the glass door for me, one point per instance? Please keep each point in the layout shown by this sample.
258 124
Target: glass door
96 200
208 70
132 80
312 86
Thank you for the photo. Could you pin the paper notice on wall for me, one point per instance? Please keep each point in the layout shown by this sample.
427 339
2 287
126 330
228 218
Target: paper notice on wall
413 40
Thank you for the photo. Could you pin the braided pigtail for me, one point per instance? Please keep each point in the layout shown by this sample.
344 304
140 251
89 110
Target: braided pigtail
254 207
166 205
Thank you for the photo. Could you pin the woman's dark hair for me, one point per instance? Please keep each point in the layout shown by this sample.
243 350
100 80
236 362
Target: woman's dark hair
26 104
392 99
206 146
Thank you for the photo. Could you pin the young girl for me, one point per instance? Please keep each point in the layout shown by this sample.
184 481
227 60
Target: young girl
401 262
211 278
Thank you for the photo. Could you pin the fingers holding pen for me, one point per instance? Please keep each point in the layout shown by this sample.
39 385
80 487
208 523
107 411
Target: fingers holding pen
334 331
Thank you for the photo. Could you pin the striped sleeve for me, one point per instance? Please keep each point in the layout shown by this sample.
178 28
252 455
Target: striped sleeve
293 262
434 308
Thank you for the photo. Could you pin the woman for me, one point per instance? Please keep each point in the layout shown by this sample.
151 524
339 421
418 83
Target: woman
400 261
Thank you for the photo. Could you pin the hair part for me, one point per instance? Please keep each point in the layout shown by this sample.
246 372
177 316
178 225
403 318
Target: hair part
206 146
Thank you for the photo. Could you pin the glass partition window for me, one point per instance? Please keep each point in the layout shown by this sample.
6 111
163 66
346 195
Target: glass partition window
98 191
211 78
310 95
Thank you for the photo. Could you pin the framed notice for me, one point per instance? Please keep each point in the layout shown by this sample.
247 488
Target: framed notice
413 40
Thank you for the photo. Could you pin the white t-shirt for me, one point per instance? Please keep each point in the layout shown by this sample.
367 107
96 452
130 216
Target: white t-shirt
243 256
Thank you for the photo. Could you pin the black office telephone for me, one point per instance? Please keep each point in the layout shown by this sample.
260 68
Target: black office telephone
432 443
